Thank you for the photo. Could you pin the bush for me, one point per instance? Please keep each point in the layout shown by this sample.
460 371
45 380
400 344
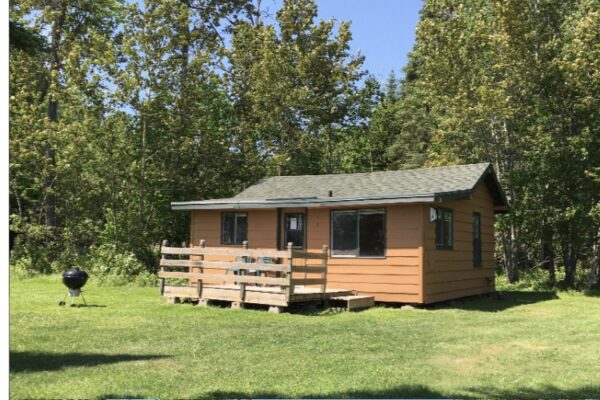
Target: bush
34 247
530 280
106 264
538 279
112 266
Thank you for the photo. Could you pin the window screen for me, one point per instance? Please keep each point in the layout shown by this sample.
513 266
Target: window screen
294 229
371 233
344 238
443 228
234 228
358 233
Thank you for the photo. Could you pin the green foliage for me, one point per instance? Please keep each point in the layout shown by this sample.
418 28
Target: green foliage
24 39
114 267
35 248
132 106
514 83
295 91
106 264
119 108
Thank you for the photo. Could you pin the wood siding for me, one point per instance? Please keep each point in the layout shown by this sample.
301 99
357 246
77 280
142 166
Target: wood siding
449 274
412 271
395 277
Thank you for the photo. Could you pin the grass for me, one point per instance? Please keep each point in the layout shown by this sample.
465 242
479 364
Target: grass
132 344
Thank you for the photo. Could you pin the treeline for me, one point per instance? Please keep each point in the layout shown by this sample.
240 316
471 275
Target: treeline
516 83
118 109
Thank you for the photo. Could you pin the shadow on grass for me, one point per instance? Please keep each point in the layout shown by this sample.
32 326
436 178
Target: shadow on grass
27 361
546 392
498 301
83 305
421 392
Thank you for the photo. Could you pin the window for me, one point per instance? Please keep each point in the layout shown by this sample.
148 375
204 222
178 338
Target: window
443 229
476 240
294 230
358 233
234 228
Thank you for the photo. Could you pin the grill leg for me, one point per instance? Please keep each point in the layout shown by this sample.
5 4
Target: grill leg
64 300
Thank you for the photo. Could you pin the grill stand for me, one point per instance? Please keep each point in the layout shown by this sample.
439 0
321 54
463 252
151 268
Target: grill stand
72 294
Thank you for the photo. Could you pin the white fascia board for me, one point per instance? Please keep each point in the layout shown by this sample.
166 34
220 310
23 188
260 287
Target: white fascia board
313 203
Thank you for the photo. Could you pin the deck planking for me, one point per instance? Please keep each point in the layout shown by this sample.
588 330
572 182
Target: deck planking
266 295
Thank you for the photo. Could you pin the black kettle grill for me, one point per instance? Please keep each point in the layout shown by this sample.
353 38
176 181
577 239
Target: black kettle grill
74 279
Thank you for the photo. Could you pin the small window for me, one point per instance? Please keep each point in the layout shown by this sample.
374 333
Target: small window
443 229
294 230
358 233
234 228
476 240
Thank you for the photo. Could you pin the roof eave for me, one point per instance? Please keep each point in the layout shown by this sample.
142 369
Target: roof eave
313 203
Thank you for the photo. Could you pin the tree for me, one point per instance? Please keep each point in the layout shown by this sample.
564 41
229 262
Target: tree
294 89
57 94
499 84
181 117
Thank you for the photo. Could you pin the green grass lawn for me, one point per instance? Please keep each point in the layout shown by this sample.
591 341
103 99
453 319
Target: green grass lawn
132 344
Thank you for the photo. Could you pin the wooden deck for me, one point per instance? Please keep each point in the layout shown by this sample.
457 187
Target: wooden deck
276 278
271 296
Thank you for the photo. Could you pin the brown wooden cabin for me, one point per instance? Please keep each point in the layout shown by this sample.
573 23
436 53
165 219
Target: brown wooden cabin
411 236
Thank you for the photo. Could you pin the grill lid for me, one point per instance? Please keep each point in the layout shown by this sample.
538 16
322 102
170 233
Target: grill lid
75 278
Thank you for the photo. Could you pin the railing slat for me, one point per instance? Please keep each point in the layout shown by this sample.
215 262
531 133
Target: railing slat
226 278
226 265
307 254
316 281
309 269
197 251
241 265
180 263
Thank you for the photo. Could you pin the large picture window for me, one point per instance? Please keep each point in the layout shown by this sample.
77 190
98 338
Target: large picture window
234 228
443 229
358 233
295 230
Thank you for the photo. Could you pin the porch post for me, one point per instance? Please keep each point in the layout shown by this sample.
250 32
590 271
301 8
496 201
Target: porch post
161 284
324 273
243 284
199 283
290 289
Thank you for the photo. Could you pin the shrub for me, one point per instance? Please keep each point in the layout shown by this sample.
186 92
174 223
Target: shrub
112 266
106 264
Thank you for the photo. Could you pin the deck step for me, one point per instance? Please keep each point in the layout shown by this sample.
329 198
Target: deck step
354 302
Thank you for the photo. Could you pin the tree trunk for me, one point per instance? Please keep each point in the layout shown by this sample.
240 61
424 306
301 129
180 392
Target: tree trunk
52 114
142 207
548 252
504 165
255 18
510 266
512 272
594 276
570 261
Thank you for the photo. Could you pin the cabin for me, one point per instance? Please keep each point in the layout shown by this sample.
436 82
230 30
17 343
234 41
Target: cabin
415 236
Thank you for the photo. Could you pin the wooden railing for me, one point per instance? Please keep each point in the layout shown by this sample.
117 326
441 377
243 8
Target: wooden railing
191 264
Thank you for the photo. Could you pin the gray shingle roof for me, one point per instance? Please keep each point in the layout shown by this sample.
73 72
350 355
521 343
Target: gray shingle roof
387 183
423 185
